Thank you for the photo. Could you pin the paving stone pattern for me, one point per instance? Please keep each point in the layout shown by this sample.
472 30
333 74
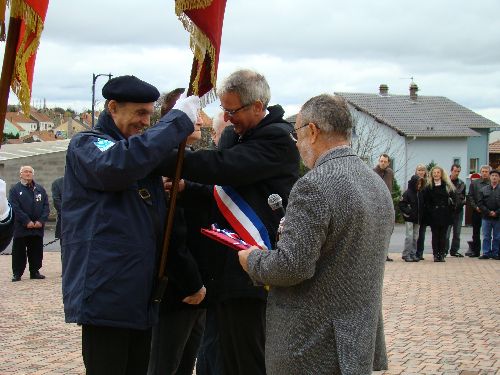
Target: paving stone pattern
440 318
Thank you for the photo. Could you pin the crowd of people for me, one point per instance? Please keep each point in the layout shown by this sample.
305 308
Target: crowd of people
296 300
437 200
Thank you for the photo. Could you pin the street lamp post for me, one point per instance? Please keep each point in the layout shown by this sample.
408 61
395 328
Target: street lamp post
94 78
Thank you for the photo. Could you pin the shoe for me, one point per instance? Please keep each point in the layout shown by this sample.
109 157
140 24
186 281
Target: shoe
407 259
473 255
468 254
416 259
37 275
388 259
421 258
457 254
496 257
484 257
16 278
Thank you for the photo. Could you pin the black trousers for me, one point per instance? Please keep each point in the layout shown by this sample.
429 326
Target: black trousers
115 351
476 232
439 239
32 246
421 240
242 335
175 342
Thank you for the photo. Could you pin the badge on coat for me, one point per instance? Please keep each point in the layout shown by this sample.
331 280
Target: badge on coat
103 144
38 197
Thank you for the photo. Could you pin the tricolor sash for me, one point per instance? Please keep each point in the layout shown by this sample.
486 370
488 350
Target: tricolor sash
241 217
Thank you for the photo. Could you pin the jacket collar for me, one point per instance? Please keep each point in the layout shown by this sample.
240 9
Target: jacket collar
335 153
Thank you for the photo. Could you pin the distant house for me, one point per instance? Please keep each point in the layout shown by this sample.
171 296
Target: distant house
22 121
10 128
415 129
494 154
44 122
74 126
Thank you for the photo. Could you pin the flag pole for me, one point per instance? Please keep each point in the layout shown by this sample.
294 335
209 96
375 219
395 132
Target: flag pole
162 275
9 59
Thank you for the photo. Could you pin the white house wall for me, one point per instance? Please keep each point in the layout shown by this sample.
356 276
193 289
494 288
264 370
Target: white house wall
442 151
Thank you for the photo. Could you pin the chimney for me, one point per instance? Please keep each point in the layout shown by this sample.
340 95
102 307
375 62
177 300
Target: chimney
413 91
383 90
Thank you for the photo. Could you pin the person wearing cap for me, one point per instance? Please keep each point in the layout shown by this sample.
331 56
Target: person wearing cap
114 212
473 200
489 204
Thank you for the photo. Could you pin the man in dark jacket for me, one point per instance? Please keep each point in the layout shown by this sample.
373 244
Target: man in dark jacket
6 218
114 213
489 204
256 158
458 213
31 207
387 174
473 199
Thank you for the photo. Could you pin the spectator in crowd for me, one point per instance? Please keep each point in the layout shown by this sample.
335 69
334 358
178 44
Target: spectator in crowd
473 198
218 126
113 215
387 174
421 171
31 209
489 204
322 314
411 206
458 213
6 218
439 201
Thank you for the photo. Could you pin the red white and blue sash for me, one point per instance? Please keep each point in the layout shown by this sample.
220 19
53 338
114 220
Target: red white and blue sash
241 217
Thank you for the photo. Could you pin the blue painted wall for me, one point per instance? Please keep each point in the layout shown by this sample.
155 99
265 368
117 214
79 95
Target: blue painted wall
477 147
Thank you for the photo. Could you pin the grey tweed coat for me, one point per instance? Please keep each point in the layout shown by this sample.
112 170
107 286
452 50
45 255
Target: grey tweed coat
326 275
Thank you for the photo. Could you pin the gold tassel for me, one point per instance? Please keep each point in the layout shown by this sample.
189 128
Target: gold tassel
182 5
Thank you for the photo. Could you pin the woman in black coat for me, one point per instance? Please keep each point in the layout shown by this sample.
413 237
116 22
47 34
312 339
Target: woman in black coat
439 200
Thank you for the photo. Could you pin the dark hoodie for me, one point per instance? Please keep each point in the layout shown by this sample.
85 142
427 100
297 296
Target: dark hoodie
412 203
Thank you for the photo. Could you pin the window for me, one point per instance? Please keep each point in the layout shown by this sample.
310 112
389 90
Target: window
474 165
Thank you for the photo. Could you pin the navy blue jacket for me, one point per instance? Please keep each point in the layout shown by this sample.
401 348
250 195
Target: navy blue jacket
110 235
489 200
412 202
29 204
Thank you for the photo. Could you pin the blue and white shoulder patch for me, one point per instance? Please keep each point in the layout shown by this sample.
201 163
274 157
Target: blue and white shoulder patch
103 144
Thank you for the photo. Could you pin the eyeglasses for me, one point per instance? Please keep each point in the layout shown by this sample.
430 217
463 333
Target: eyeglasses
234 111
293 132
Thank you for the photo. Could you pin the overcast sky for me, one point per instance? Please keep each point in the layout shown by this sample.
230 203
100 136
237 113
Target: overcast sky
451 48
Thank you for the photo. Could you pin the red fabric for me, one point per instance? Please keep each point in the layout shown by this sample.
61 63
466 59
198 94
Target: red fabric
40 8
209 20
224 239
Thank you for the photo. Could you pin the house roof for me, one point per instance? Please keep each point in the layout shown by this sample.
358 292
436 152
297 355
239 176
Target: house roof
426 116
39 116
17 117
494 148
14 151
39 136
77 126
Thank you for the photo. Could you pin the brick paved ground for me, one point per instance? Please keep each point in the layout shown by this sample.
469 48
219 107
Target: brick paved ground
440 318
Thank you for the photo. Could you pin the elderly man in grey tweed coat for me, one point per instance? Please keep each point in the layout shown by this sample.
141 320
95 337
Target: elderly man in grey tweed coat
326 274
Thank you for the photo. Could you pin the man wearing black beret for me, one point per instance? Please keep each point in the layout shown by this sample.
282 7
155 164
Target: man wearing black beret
113 215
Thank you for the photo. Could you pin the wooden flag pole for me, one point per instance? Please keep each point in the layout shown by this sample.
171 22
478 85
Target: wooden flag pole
9 59
162 276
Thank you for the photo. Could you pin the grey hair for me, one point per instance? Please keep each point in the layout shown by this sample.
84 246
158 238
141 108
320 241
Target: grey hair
329 113
249 85
485 167
218 121
27 166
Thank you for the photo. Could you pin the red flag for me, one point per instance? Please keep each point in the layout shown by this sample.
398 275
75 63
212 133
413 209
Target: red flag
203 19
32 14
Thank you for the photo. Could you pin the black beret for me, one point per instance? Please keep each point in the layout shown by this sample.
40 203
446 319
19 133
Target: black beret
130 89
495 171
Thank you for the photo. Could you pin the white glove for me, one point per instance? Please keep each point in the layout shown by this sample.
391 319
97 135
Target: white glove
4 205
190 106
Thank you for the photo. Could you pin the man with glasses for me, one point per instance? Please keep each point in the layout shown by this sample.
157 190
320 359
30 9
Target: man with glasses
324 313
256 157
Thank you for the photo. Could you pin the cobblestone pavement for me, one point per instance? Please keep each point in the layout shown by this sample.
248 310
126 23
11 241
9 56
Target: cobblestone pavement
440 318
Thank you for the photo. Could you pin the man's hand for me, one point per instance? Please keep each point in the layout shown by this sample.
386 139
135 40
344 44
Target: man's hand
167 184
195 299
243 257
37 224
492 214
30 225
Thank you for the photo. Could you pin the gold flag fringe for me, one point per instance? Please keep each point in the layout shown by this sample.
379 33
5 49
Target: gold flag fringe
200 44
34 24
